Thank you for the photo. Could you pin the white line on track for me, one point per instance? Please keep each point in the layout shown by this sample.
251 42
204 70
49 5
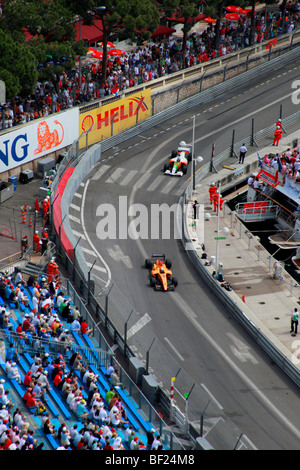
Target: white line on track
75 219
212 397
138 325
90 241
75 207
191 316
173 348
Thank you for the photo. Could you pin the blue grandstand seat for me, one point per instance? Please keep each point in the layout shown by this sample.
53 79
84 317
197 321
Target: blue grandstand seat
54 395
55 404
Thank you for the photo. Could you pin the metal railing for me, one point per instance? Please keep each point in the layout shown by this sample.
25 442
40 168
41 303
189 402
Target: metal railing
86 298
256 211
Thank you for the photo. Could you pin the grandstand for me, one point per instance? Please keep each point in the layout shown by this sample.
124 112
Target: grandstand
67 409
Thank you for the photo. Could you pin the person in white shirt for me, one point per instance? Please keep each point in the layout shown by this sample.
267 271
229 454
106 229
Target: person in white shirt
59 299
243 151
22 297
35 302
256 184
250 180
19 278
13 373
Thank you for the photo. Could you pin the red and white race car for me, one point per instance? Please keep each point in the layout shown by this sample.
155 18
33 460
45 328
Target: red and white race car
179 161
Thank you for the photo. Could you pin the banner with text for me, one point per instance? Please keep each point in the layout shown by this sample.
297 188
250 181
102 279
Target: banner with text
101 123
35 140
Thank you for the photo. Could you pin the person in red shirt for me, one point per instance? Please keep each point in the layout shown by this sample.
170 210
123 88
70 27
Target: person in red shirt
7 443
31 401
27 378
84 328
58 378
26 325
19 331
80 443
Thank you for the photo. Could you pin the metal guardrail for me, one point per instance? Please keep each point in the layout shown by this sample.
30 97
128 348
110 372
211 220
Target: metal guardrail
262 340
258 136
256 211
288 40
203 97
180 108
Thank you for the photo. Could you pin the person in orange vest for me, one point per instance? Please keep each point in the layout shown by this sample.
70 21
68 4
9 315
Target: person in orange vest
45 205
50 270
36 240
221 203
212 190
277 135
278 123
45 233
216 201
55 269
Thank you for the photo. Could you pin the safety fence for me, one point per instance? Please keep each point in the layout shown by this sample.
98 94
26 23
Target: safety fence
98 304
246 57
261 339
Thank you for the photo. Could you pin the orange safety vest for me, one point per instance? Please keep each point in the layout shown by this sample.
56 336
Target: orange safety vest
221 204
215 198
212 191
50 271
36 238
278 133
55 269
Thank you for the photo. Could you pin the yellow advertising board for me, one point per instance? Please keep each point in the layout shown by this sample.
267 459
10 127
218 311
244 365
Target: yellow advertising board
108 120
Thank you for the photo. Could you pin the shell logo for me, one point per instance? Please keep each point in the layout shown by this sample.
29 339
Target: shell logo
87 124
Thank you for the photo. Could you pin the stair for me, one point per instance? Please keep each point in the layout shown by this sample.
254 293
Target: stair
32 268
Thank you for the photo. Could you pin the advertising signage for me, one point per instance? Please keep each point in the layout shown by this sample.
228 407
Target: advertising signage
35 140
108 120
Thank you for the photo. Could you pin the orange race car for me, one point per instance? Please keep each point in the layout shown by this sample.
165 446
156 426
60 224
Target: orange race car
160 272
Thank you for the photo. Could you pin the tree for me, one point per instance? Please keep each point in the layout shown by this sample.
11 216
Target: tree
50 20
185 9
17 67
123 18
52 46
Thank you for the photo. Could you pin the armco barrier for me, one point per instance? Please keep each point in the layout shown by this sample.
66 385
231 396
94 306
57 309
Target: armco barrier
153 121
205 74
274 353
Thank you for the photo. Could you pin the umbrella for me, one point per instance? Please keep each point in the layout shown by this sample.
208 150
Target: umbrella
115 52
248 11
234 9
232 16
94 53
109 44
208 19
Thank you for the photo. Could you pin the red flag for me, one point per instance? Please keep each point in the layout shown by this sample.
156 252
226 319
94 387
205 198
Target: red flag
36 205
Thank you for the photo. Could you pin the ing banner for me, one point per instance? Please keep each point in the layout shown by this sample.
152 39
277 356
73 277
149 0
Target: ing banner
101 123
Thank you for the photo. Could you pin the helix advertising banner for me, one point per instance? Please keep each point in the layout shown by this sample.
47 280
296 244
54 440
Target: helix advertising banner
103 122
35 140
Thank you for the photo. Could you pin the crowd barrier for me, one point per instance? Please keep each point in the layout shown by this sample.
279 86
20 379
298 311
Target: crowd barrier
79 271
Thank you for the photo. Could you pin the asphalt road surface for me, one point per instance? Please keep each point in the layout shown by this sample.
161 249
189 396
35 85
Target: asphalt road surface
189 332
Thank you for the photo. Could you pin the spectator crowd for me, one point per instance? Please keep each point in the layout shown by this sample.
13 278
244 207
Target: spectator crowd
142 64
100 419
